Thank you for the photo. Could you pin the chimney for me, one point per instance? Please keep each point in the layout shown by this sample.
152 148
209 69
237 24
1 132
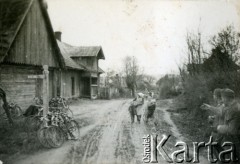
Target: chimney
58 35
45 4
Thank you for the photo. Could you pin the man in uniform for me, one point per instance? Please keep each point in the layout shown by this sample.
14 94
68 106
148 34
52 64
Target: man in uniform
217 118
230 129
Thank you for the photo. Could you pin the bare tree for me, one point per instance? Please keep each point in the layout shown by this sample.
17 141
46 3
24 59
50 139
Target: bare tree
110 74
195 51
131 71
149 81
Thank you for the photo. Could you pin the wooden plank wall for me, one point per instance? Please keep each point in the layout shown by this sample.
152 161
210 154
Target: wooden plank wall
33 44
89 62
19 88
66 83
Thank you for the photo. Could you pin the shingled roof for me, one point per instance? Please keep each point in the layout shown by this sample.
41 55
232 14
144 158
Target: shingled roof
12 15
66 52
87 51
69 52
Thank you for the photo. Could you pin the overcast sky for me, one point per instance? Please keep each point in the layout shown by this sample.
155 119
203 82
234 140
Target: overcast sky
152 30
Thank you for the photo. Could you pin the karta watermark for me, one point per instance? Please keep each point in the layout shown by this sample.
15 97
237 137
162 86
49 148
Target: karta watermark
225 153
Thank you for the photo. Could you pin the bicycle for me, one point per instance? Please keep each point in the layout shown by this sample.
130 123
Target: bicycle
60 127
60 103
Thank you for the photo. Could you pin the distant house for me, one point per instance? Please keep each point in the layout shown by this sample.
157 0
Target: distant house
83 63
27 43
217 62
116 81
113 86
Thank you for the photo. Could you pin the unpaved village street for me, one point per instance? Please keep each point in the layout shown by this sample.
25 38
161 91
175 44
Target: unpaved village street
74 74
107 136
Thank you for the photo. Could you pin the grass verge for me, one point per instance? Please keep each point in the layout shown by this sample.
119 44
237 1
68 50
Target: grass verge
14 140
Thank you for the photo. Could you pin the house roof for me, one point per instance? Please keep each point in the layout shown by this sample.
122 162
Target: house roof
12 16
66 53
100 70
69 52
87 51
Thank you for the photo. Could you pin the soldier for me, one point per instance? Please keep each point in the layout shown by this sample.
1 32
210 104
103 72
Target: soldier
218 110
216 119
230 129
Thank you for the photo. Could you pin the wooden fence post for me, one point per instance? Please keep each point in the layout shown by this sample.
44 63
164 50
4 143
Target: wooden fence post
45 90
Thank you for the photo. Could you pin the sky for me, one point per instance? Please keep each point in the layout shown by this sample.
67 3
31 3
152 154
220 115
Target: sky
154 31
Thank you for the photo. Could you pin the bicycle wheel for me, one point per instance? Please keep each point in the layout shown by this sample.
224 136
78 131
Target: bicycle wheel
73 129
42 137
55 136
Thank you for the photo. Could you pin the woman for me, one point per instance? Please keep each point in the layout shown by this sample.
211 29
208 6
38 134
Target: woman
140 105
151 107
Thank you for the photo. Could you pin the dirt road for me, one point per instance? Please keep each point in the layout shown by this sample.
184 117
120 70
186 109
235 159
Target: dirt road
107 136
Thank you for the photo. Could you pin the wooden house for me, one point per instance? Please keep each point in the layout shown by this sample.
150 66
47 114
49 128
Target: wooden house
27 42
84 62
89 57
71 76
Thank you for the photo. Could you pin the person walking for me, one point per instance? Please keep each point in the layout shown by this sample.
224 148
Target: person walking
139 105
151 106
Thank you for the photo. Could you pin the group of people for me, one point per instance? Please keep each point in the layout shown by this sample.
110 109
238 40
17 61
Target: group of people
143 107
225 119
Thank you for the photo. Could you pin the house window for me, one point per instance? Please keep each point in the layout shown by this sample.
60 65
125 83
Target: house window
73 85
94 81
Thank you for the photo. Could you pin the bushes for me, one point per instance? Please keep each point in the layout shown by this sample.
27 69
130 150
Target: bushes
196 93
198 88
219 69
168 86
14 139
